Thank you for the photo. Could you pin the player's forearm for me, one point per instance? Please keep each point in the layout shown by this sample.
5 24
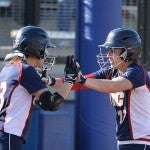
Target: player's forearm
59 82
102 85
65 89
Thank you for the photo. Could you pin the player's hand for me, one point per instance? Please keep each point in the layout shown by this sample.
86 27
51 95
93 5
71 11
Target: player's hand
45 77
41 71
47 80
71 69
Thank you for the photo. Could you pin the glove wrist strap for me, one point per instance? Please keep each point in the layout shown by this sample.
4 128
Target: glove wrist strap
53 81
83 79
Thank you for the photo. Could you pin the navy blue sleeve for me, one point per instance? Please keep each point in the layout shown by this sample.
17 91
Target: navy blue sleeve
103 74
135 75
31 81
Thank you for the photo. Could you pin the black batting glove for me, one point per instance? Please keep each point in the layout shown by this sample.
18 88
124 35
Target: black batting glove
81 78
70 70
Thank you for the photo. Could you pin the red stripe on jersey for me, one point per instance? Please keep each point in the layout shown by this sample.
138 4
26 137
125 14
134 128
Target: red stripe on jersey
130 125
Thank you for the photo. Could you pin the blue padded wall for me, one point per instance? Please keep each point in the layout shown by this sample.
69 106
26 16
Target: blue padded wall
95 120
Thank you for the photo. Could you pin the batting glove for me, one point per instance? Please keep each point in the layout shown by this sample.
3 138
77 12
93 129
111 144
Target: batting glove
70 70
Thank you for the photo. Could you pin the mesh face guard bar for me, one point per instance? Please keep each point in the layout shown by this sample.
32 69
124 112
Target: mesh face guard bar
50 57
102 58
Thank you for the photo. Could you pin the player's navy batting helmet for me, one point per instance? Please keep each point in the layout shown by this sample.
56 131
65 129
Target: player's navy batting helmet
125 38
32 41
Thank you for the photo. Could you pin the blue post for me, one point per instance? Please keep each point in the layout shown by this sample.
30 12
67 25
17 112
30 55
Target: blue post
95 117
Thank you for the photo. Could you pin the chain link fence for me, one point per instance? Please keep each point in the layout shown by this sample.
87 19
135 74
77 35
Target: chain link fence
130 13
56 16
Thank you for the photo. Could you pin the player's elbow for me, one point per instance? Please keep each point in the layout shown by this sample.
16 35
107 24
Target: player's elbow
50 102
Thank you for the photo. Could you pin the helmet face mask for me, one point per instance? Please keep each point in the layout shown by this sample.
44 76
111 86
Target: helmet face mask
49 58
103 59
120 38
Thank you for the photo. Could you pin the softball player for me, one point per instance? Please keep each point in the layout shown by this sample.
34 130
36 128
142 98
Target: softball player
129 86
128 83
21 85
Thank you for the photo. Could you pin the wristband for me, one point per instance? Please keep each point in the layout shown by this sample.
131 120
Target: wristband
83 79
69 81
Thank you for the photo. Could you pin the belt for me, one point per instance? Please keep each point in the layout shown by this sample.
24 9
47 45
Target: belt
133 142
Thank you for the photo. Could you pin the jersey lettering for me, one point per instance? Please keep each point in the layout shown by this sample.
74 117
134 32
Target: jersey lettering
117 100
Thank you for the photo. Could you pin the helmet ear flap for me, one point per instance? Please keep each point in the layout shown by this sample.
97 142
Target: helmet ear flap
24 44
29 48
123 54
21 45
130 56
